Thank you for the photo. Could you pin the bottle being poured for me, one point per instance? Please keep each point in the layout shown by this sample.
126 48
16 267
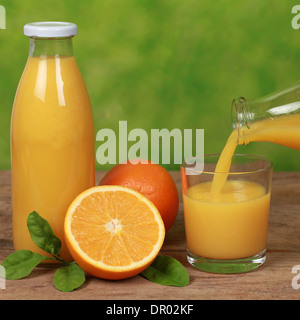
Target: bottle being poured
274 118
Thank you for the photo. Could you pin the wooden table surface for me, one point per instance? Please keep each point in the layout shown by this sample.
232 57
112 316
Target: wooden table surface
272 281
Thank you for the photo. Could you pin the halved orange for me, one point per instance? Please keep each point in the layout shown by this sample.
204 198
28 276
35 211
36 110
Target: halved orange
113 232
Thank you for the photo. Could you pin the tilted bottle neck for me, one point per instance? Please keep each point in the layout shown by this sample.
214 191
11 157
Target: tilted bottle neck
240 115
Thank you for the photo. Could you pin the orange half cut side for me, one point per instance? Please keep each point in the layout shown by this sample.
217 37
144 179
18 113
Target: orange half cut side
113 232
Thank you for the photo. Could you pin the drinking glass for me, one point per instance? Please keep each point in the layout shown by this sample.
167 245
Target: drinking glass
226 232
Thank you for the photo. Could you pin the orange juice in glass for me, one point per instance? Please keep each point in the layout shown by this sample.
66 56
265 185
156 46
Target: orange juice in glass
226 232
52 133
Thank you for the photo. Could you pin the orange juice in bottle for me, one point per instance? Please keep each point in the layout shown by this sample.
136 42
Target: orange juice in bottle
274 118
52 133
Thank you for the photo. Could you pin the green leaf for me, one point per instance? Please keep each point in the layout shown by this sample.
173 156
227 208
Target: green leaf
167 271
20 264
69 278
42 234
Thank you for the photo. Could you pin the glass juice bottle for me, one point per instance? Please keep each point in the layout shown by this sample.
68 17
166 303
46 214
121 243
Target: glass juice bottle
274 118
52 133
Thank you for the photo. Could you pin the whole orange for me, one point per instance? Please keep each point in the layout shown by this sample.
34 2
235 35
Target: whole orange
151 180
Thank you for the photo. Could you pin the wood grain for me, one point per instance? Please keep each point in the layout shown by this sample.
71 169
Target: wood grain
271 281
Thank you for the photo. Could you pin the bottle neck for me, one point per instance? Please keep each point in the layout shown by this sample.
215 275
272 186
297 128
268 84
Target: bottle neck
241 118
240 115
42 47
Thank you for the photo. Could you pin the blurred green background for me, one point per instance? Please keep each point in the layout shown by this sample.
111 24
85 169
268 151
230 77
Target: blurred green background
165 63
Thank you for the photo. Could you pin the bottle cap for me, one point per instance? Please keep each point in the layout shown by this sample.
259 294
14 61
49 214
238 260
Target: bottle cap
50 29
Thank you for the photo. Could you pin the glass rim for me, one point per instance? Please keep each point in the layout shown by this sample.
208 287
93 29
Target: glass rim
269 164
